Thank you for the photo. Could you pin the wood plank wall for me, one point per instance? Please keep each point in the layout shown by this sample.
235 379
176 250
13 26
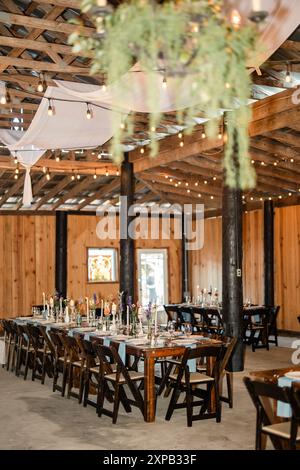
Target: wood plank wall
82 234
206 264
27 258
27 245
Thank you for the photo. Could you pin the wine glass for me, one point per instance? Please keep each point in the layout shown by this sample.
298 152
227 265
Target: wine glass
188 329
171 328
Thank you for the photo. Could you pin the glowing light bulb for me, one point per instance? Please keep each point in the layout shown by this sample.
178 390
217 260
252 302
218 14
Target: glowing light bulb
235 18
164 82
50 109
142 150
203 135
89 113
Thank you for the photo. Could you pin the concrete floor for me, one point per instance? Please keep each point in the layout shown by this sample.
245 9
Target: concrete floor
33 417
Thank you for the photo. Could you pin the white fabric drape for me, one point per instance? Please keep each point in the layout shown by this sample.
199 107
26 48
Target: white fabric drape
69 128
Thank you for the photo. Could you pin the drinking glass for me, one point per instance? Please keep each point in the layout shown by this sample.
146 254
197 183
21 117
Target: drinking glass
171 328
188 329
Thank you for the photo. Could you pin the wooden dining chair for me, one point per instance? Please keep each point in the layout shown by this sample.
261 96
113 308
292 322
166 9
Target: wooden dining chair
184 381
280 433
74 365
10 338
172 312
48 354
256 331
114 375
272 324
60 360
24 351
36 341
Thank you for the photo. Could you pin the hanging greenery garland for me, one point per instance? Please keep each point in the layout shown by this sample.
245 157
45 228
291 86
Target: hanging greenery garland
195 42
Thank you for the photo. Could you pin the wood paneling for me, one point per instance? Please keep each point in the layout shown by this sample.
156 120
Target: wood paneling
27 247
82 234
206 264
287 265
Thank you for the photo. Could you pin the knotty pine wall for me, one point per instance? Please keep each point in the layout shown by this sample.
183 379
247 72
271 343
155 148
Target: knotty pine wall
27 258
206 264
82 234
27 262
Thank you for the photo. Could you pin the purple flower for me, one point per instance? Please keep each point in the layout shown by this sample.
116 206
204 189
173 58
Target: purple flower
129 301
149 311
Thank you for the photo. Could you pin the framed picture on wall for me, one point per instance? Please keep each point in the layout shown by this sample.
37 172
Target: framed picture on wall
102 264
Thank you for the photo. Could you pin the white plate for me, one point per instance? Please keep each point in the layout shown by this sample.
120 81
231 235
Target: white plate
295 375
182 342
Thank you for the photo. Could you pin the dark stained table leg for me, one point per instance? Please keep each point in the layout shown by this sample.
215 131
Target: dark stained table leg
149 390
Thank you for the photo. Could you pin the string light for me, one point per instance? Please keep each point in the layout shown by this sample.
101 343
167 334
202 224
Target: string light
275 163
280 197
41 86
235 18
44 170
166 176
99 156
89 113
262 163
181 143
57 159
251 198
220 135
176 185
104 87
106 172
153 129
290 194
180 135
16 176
179 182
122 126
292 160
196 183
78 177
48 177
270 199
95 175
203 135
199 195
205 182
288 77
243 197
261 199
142 150
214 178
164 82
227 85
252 161
72 177
211 197
171 180
17 171
117 172
50 108
188 190
15 160
5 98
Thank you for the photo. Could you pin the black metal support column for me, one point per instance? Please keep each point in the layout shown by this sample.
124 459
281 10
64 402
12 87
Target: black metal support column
185 262
269 252
232 257
127 275
61 253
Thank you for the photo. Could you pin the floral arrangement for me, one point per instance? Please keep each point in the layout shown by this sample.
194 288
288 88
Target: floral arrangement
199 39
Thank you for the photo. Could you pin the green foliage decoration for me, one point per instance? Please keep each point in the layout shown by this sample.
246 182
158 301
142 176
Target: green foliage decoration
179 39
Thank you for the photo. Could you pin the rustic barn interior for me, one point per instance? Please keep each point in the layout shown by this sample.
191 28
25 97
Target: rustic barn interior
44 249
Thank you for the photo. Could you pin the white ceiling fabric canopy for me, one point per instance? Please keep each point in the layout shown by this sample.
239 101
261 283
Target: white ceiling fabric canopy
69 128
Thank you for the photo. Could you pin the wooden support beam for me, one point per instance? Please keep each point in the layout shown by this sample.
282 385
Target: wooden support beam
65 166
269 253
102 192
75 191
52 193
12 191
41 46
127 258
61 253
42 66
44 24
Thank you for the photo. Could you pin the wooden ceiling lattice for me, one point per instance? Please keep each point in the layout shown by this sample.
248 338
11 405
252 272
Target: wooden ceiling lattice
33 39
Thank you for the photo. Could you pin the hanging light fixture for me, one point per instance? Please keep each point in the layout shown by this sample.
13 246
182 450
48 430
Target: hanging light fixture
16 160
288 76
95 175
41 86
50 108
89 113
48 177
164 82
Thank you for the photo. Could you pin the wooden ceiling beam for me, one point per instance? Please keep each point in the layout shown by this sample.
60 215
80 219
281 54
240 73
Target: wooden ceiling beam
40 46
42 66
61 3
65 166
102 192
44 24
75 191
12 191
52 193
284 137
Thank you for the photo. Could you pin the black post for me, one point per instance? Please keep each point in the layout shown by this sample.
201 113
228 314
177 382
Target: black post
127 277
232 258
185 261
61 253
269 252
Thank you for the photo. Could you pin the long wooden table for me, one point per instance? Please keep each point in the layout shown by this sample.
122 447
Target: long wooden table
149 355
